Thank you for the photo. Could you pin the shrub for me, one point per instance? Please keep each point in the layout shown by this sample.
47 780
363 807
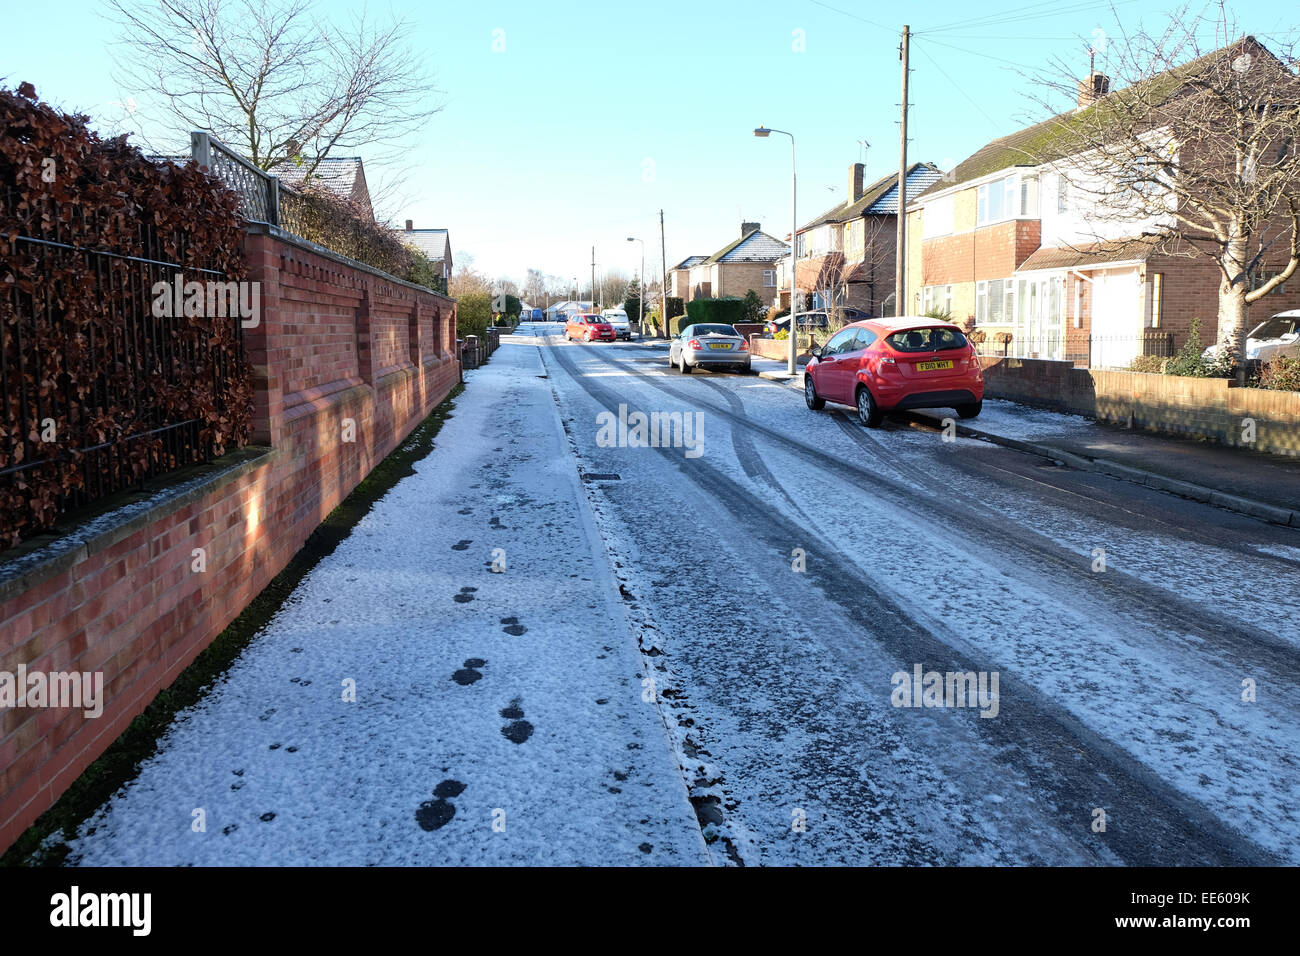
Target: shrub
1188 359
753 308
1148 363
726 311
1282 373
675 306
473 314
344 226
934 312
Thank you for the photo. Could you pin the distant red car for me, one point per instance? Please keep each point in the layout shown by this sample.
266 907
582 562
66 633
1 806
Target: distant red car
884 365
589 327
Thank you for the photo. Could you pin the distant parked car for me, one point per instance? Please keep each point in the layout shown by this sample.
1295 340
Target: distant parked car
883 365
1275 337
816 319
708 346
618 319
589 327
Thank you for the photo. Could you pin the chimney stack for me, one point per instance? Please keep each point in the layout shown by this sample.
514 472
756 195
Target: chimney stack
1092 89
747 227
408 225
855 182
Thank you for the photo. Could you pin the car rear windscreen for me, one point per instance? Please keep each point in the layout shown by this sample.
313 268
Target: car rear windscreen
926 340
716 330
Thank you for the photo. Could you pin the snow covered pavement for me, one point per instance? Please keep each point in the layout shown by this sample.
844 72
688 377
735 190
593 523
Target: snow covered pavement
498 716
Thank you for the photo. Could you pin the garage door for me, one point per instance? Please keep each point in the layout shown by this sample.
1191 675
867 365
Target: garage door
1116 318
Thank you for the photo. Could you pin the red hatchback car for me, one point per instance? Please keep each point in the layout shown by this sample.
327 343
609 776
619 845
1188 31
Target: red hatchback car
884 365
589 327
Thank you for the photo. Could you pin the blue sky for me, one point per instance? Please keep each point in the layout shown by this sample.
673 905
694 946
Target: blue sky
595 115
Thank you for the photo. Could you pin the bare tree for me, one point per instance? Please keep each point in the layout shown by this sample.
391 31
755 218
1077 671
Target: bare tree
534 287
611 287
1198 149
273 78
466 280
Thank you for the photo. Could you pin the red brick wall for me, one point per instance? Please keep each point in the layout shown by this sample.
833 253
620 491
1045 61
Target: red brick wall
990 252
1191 290
334 342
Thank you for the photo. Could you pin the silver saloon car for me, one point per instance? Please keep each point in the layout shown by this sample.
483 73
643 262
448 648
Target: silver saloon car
709 346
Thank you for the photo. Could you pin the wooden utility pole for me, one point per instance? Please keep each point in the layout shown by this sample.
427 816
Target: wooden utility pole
900 257
593 277
663 292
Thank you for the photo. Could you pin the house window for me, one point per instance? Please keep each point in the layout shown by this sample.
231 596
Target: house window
938 219
937 298
1261 277
1157 297
1000 200
769 278
1029 196
994 302
1062 193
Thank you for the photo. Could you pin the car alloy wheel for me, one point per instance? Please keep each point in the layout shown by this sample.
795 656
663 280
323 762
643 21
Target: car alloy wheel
810 396
868 413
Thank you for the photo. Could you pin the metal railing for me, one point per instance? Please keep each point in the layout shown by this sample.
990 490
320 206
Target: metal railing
1090 351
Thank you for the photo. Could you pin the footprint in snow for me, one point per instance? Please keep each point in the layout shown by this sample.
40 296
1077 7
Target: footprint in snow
518 730
513 627
461 545
433 814
470 672
465 596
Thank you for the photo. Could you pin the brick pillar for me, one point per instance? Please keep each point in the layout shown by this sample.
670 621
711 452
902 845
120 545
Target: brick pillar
262 343
365 339
415 346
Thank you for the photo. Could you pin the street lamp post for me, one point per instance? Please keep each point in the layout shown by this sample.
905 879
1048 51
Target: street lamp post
640 308
763 132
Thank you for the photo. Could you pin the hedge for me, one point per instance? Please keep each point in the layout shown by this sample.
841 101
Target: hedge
726 311
93 370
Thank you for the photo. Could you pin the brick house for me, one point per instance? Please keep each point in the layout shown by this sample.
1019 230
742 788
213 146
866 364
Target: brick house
679 277
846 256
434 243
1010 246
344 176
749 262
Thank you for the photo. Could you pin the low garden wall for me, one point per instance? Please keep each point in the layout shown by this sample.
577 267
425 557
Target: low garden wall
1176 405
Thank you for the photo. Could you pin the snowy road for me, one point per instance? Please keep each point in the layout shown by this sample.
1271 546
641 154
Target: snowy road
1121 691
705 637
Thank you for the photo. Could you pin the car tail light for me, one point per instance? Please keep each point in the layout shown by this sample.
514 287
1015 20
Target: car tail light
744 346
694 344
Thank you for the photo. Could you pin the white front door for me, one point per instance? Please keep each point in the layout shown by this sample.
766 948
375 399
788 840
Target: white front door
1116 318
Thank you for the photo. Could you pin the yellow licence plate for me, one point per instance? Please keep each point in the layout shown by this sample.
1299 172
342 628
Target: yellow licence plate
932 366
722 345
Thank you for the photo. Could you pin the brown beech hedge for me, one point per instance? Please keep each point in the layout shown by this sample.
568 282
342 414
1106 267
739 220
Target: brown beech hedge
92 382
